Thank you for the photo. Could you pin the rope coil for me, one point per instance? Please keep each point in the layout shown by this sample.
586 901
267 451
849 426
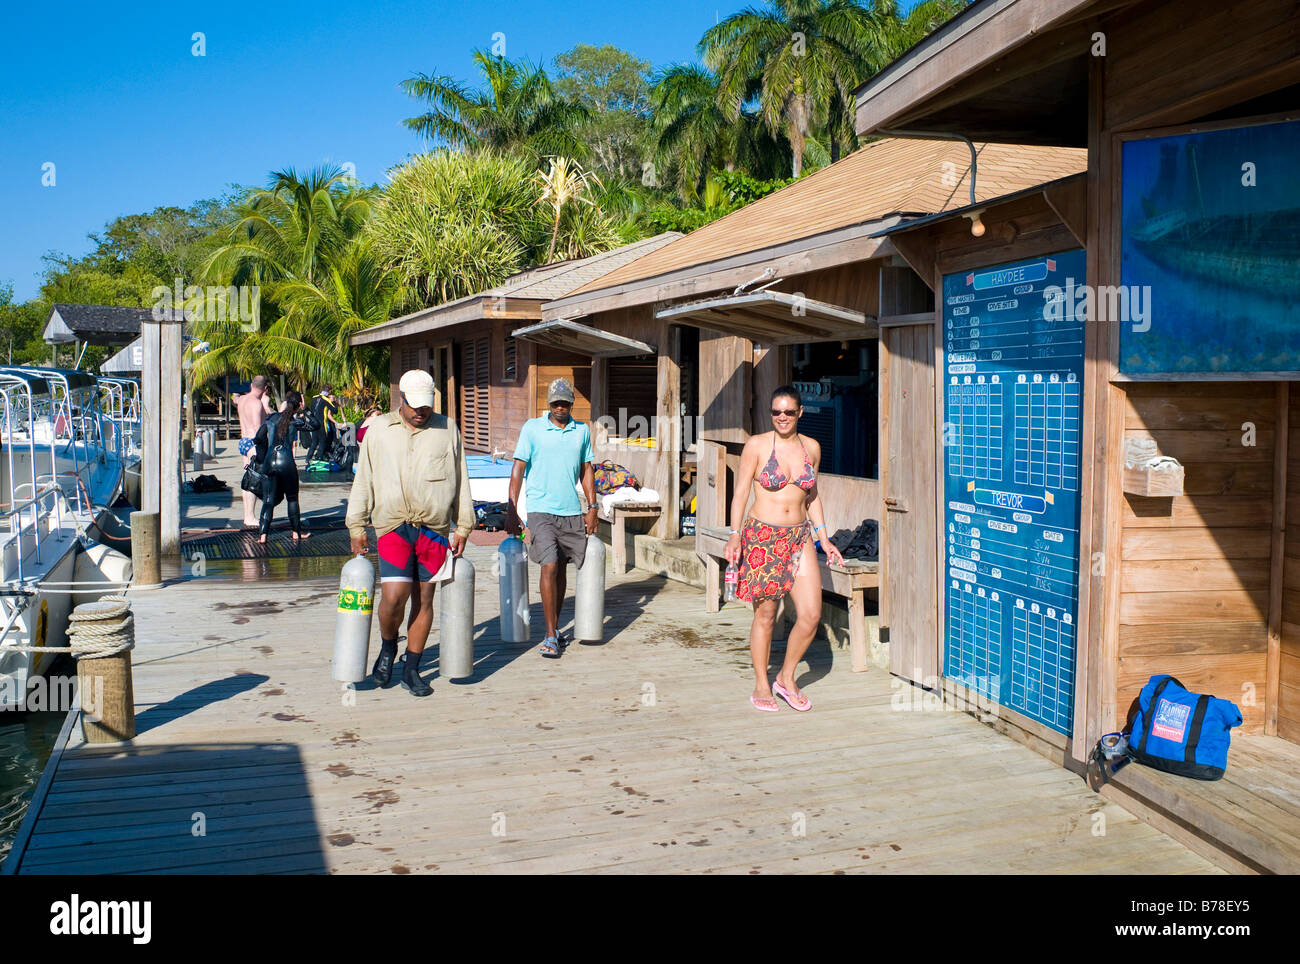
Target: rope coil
101 628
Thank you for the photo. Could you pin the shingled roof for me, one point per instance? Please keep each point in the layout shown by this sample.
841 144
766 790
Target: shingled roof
97 324
884 182
539 284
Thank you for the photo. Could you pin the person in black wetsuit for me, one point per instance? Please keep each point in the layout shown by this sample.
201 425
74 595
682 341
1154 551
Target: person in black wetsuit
274 443
324 408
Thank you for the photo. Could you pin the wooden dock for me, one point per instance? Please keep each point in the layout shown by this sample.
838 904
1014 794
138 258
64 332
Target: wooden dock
639 755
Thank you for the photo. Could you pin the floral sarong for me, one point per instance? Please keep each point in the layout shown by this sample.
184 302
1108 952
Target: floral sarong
769 559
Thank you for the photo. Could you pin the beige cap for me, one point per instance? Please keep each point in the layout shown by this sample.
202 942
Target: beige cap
417 386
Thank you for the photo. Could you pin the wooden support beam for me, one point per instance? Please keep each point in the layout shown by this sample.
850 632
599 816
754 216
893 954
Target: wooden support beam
150 415
169 448
1277 558
918 250
1070 202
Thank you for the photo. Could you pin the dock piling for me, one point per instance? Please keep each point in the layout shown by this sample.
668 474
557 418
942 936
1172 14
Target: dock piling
146 572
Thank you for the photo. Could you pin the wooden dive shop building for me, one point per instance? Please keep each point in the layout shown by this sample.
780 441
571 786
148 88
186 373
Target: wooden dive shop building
1112 422
798 287
487 374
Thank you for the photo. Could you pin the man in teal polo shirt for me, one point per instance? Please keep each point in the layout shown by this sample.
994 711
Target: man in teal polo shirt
553 453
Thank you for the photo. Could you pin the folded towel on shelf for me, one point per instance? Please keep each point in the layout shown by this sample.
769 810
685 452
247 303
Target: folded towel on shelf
627 496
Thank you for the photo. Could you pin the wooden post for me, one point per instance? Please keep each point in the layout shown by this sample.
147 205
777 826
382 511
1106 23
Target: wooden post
858 630
145 548
150 409
169 469
1277 558
712 584
107 698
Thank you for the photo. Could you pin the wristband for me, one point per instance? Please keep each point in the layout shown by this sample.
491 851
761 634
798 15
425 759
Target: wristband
815 528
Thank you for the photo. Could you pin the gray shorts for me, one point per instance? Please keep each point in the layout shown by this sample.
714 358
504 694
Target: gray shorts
556 538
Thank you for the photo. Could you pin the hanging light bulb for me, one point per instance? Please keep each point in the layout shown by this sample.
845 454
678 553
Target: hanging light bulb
976 225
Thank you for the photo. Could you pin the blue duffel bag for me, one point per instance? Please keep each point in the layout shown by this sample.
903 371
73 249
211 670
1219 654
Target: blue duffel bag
1181 732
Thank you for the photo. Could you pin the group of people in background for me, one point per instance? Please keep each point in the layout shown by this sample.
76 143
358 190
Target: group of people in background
268 434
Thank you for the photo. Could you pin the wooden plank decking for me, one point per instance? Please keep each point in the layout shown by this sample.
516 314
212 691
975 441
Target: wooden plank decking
639 755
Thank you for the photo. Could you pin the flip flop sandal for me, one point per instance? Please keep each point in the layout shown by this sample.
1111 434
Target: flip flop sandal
760 704
550 648
564 640
799 702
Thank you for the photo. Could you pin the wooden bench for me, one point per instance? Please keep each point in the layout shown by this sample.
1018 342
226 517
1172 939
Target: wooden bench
617 518
852 580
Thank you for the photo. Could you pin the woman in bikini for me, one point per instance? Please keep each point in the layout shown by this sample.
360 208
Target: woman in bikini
773 544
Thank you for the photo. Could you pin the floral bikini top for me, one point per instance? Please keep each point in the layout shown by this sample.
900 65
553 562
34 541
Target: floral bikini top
772 478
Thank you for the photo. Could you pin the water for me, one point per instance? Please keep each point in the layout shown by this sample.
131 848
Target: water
26 740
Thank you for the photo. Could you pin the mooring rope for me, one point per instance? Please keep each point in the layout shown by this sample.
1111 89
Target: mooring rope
101 628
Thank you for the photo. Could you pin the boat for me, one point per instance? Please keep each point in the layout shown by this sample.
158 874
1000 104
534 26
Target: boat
48 562
120 408
89 447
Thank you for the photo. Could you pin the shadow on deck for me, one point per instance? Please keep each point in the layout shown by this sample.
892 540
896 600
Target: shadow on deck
214 808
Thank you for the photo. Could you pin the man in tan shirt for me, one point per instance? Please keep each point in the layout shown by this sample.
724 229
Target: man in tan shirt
412 486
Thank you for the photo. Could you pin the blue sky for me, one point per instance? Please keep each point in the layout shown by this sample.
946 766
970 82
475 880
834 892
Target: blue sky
132 120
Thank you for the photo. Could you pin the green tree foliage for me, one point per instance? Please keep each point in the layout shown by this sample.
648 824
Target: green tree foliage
807 56
21 324
451 224
695 133
724 192
517 111
298 241
613 87
903 31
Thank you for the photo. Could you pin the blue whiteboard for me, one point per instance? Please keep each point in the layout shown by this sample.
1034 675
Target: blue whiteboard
1013 403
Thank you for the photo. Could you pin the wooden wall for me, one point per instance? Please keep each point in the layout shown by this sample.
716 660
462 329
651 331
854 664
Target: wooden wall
1171 62
1195 569
550 364
726 386
511 403
1288 701
656 467
1180 60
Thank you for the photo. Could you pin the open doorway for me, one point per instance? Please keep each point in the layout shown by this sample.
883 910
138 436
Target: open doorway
837 381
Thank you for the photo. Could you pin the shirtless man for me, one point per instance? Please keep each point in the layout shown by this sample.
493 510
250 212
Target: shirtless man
254 408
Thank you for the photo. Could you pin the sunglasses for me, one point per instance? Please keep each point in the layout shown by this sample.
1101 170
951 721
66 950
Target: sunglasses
785 411
560 404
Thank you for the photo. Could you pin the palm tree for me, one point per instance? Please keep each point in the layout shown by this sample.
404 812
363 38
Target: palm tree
299 242
806 55
517 111
905 31
562 184
695 134
292 227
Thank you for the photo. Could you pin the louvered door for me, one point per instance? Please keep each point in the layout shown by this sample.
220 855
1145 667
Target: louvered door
475 415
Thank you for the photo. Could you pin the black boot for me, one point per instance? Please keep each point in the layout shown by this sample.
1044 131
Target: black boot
383 671
411 675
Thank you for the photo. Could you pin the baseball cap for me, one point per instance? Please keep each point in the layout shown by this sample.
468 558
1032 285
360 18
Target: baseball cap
417 386
560 391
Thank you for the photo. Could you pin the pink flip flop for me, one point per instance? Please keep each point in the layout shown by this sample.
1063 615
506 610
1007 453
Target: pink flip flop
758 704
800 702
